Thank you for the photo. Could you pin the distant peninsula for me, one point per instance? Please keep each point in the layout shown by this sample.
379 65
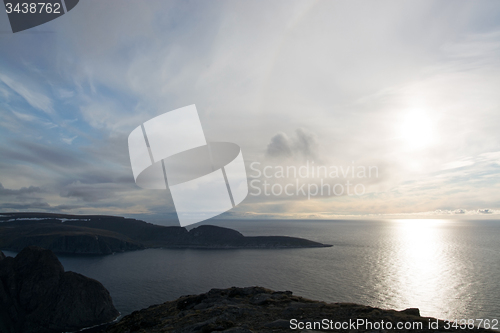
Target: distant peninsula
101 234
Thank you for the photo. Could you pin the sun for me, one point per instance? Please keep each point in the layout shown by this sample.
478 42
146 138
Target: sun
416 130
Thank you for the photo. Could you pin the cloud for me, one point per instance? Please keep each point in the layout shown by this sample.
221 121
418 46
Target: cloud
89 192
464 212
25 198
65 94
490 157
69 140
43 155
32 206
20 192
35 99
279 146
25 117
304 145
111 115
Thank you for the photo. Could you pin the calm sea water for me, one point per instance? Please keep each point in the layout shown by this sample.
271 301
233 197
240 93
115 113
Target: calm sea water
449 269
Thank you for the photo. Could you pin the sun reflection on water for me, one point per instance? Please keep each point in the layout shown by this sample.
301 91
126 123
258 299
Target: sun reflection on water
423 268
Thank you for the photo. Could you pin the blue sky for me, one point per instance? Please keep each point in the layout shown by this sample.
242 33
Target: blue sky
410 87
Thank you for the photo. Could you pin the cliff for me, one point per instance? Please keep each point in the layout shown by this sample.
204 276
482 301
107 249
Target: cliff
37 295
260 310
96 234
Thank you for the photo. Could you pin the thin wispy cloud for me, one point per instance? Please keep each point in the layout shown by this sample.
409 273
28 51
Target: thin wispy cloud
37 100
69 140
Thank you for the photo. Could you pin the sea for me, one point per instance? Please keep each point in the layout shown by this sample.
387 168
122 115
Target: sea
449 269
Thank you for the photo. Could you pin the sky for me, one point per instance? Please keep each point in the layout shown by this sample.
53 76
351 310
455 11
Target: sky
406 89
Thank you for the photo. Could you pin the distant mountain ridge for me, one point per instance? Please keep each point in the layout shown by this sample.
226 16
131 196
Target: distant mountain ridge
101 234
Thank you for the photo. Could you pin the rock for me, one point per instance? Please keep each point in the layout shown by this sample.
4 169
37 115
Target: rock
190 301
82 302
210 233
412 312
37 295
261 299
279 323
260 310
237 330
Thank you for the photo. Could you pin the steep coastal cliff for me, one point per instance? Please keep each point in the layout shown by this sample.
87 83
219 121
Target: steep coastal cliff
37 295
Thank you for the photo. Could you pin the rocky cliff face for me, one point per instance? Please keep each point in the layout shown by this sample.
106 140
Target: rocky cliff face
37 295
256 309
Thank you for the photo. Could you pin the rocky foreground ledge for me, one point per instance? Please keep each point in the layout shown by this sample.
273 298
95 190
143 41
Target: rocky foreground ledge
256 309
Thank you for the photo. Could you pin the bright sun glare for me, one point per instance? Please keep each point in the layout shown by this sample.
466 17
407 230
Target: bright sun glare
416 129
